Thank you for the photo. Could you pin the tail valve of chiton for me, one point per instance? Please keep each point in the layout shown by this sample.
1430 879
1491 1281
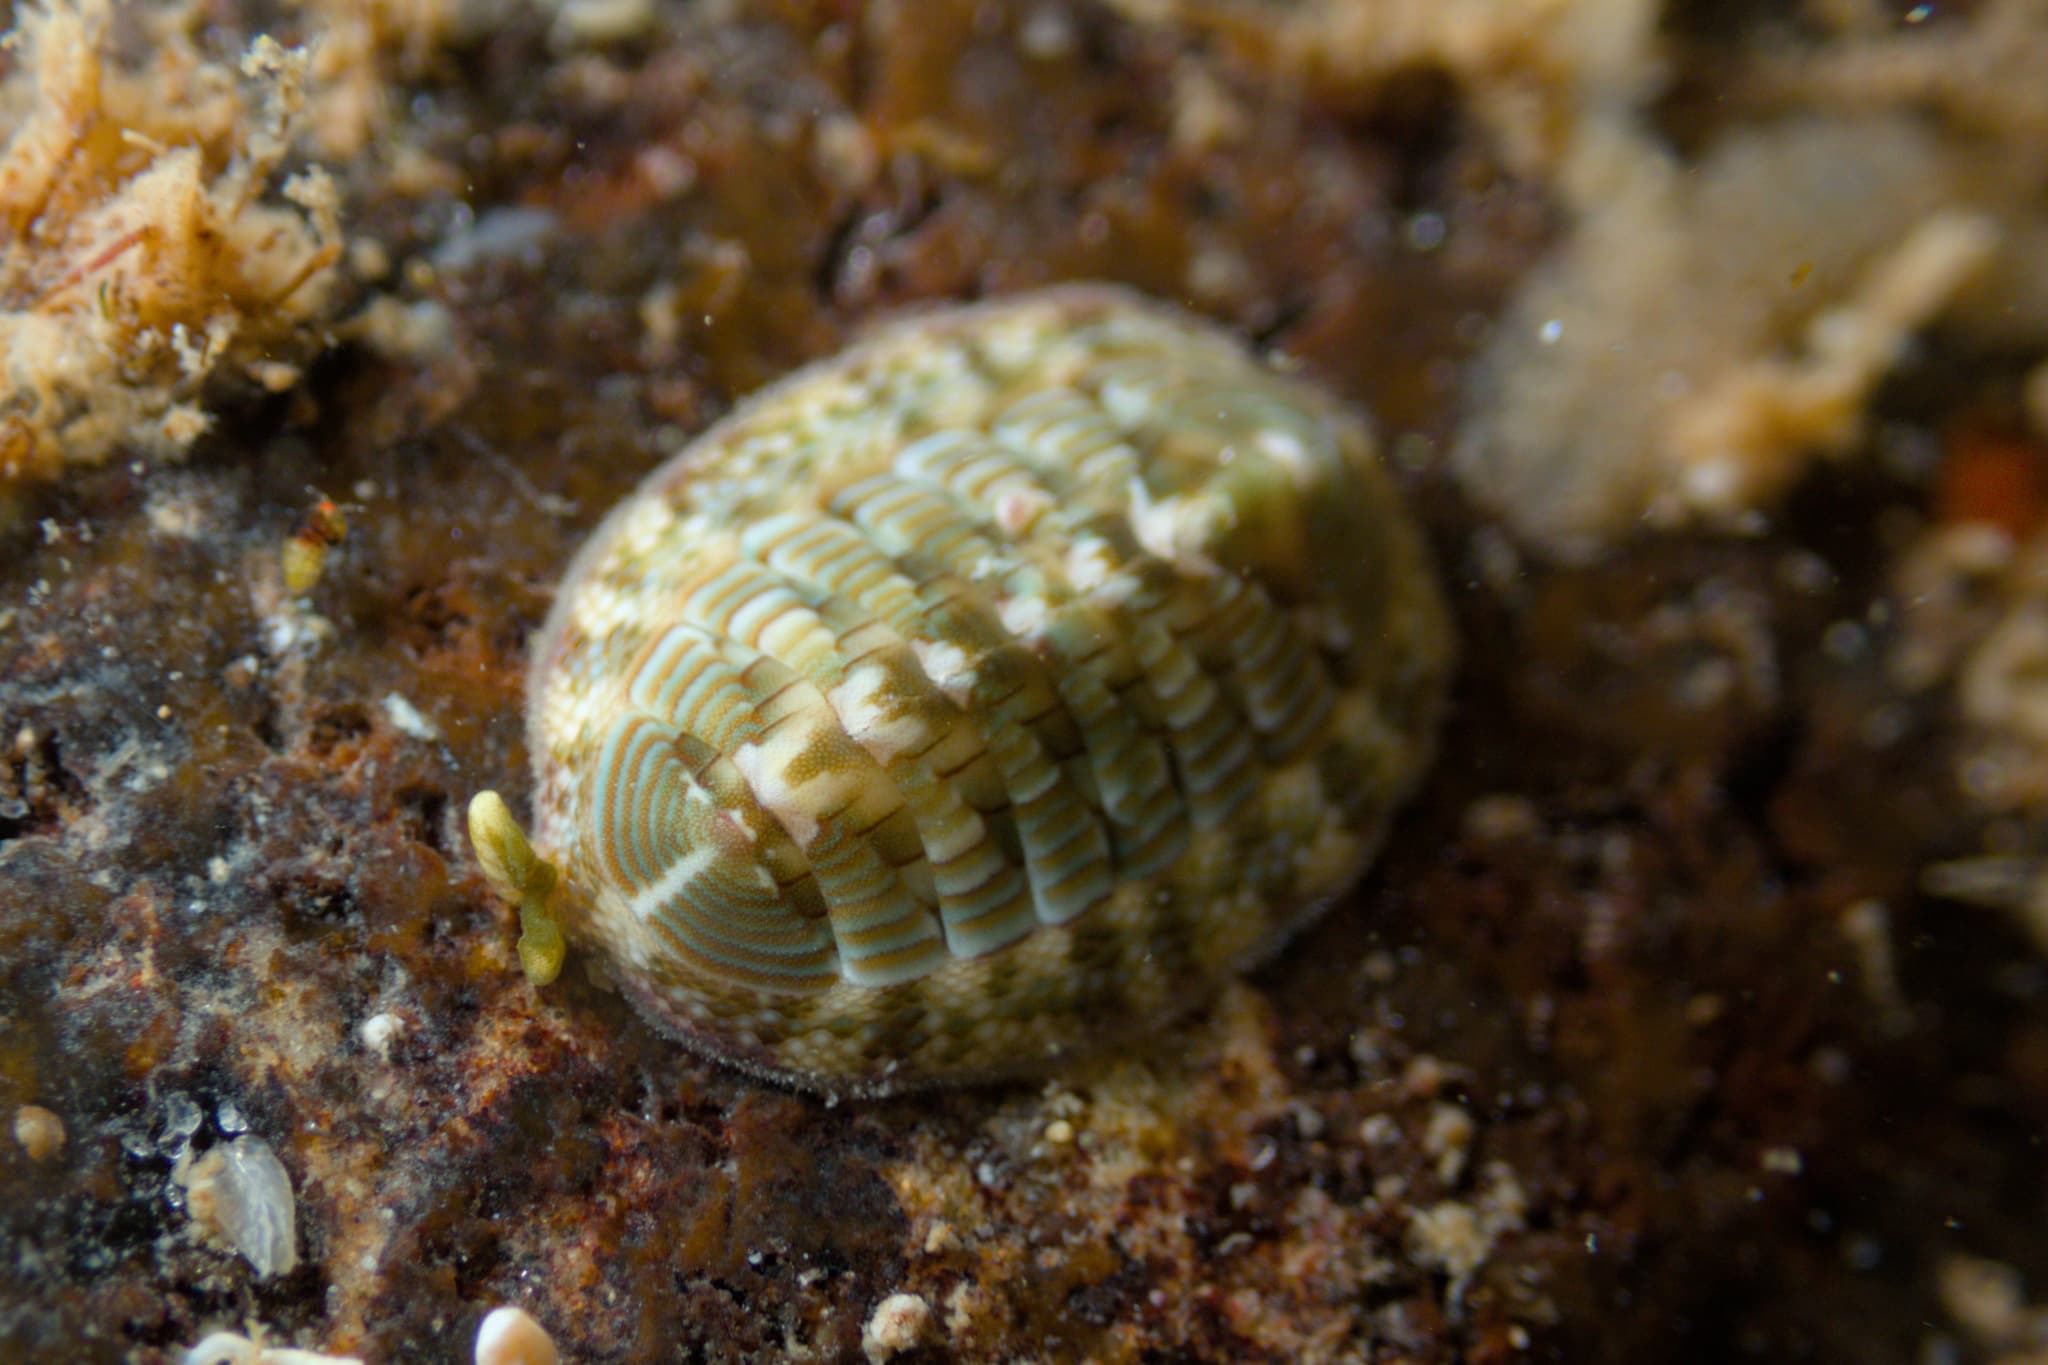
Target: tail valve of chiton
522 876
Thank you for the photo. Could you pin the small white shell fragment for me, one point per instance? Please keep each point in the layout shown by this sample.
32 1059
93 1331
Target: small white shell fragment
510 1336
899 1323
40 1132
232 1348
239 1193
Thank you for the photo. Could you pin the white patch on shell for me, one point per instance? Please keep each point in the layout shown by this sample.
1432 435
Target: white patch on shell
790 628
945 663
1176 529
1017 508
764 772
601 608
1089 564
1285 448
864 711
643 527
796 806
674 878
1023 617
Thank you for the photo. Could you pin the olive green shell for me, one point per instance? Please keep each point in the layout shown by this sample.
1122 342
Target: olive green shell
993 687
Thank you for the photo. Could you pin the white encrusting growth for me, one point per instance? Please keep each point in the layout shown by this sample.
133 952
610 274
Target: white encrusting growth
899 1323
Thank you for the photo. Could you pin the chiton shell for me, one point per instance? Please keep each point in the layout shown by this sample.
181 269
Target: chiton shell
996 686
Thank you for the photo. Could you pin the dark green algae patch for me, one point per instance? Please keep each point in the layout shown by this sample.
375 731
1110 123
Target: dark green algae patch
1604 938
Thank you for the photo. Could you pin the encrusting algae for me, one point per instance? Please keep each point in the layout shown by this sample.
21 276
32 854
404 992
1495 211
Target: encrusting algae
143 258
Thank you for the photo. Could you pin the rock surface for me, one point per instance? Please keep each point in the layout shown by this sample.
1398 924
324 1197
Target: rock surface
1638 1043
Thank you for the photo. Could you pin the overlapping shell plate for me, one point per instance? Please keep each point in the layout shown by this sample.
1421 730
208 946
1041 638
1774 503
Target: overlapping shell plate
995 686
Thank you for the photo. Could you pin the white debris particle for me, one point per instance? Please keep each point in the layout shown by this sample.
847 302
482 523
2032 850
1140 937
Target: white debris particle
1457 1237
1309 1123
291 626
1782 1161
846 152
1500 818
597 23
1424 1076
500 234
378 1032
178 509
181 1120
1867 927
1449 1237
510 1336
239 1194
1379 1130
900 1322
407 720
1047 34
1448 1139
1987 1299
966 1304
401 333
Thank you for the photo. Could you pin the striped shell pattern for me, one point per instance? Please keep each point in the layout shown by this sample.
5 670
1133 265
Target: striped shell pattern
997 685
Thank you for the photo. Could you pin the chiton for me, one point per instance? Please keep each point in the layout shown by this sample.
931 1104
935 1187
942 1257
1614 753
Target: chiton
994 687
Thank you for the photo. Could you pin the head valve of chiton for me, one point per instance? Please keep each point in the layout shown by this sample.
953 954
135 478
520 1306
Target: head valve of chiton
999 684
